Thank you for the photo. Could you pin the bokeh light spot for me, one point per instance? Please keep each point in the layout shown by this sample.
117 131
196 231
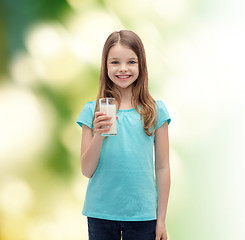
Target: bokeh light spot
23 123
15 197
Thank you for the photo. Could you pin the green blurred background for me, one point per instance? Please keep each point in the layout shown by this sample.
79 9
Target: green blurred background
50 55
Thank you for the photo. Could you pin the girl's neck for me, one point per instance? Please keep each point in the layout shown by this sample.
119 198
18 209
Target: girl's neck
126 98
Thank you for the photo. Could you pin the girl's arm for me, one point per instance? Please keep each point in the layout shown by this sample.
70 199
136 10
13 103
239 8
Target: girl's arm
162 171
91 145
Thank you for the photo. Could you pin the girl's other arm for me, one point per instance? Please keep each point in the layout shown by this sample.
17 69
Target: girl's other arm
162 171
91 145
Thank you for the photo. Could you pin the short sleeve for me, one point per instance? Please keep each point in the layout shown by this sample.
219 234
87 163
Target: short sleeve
87 114
162 114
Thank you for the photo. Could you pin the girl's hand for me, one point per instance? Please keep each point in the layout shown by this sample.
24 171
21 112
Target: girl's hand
101 120
161 233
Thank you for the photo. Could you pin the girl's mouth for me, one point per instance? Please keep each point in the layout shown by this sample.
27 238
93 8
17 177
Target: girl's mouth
123 77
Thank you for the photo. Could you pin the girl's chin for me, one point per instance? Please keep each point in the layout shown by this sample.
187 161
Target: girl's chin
122 86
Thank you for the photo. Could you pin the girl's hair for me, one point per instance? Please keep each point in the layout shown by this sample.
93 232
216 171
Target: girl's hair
141 100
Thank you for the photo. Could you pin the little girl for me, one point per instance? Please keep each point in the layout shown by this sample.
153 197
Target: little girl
124 197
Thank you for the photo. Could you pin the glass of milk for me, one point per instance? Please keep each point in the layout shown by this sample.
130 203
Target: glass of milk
108 105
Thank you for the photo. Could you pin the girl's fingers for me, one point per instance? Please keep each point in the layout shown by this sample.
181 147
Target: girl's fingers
103 130
102 124
103 118
100 116
99 113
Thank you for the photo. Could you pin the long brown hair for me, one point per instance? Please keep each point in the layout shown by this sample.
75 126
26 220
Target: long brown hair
141 98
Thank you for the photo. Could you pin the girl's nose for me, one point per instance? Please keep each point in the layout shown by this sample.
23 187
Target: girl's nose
123 68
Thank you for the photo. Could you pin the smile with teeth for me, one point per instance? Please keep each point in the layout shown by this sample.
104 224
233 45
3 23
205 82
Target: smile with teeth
123 76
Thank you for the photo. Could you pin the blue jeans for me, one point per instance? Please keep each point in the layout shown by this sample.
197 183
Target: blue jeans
101 229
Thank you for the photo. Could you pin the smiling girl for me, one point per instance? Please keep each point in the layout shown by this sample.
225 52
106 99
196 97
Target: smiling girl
123 197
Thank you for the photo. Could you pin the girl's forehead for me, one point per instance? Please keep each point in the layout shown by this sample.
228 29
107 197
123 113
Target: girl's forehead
120 50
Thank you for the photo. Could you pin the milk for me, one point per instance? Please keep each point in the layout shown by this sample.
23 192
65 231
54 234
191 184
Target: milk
110 109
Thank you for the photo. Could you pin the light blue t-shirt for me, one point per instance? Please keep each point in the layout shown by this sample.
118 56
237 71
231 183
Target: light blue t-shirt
123 186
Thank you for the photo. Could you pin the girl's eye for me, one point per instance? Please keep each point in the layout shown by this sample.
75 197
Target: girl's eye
114 62
132 62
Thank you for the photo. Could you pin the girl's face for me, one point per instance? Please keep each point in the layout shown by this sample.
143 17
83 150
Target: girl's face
122 65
